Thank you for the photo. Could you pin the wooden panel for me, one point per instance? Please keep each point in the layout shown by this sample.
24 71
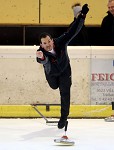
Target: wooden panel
51 12
19 11
60 12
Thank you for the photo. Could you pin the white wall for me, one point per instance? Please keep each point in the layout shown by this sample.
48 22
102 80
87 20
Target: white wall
22 79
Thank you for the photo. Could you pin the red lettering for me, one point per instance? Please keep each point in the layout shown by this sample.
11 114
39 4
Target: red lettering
102 77
94 75
112 77
107 77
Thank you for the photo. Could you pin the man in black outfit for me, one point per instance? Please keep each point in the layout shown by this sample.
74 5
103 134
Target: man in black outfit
107 26
53 55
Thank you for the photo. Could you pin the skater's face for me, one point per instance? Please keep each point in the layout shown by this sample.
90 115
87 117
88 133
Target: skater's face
111 7
47 43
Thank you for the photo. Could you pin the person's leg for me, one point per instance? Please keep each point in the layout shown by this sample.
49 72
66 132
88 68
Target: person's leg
64 87
53 81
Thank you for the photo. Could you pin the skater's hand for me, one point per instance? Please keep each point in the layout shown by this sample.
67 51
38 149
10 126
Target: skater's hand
85 9
40 54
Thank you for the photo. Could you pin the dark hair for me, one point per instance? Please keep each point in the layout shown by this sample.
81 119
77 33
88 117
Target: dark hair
44 35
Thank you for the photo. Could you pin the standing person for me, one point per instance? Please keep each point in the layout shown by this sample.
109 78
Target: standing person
107 26
53 55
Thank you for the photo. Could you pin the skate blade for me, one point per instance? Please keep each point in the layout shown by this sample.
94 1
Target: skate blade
66 142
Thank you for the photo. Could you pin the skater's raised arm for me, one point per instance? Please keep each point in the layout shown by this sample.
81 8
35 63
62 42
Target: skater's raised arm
74 27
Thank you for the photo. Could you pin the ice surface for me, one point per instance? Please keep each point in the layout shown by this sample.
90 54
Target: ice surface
34 134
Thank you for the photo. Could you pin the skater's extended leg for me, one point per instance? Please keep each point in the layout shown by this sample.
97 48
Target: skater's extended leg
64 87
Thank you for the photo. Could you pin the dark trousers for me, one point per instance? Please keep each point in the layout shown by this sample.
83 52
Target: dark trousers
63 82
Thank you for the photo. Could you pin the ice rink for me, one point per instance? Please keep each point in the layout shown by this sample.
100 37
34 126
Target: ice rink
34 134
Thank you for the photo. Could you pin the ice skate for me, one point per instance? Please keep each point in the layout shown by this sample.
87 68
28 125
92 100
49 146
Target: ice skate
64 140
110 119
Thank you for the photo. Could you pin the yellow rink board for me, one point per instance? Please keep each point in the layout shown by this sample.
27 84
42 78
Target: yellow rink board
83 111
48 12
60 12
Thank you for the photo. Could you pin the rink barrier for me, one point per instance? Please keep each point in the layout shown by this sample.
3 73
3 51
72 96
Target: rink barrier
15 99
76 111
22 78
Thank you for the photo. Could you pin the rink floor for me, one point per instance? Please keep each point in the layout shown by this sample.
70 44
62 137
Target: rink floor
34 134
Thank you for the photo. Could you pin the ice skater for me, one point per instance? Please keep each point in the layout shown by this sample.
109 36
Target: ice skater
52 53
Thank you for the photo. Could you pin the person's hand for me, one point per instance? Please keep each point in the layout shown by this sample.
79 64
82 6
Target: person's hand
39 54
85 9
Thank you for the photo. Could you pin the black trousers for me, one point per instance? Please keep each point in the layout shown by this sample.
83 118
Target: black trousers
62 81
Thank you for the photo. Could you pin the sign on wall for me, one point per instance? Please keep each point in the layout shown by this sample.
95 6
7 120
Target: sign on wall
102 81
